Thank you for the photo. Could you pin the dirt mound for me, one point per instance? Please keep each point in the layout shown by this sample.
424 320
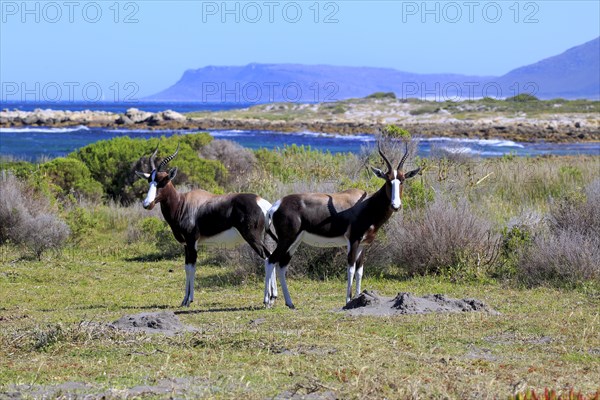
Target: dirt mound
165 322
371 303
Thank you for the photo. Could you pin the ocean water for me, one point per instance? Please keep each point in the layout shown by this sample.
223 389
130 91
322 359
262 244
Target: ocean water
34 143
121 107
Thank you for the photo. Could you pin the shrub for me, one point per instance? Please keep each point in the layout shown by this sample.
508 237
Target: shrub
569 253
523 97
28 219
445 237
395 132
239 161
578 213
144 229
301 163
71 176
20 169
157 231
382 95
113 163
565 258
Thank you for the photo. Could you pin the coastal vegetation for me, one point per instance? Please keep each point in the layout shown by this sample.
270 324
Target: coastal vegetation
522 234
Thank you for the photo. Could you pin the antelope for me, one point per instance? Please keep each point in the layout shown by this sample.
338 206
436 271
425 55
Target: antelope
347 218
203 217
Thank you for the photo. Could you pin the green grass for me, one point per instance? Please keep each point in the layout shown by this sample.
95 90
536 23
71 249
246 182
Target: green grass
53 313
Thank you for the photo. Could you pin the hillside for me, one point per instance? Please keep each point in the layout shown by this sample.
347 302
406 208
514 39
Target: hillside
572 74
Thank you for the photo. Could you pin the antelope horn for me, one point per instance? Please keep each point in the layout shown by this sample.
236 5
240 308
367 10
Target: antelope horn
152 157
404 157
387 162
167 159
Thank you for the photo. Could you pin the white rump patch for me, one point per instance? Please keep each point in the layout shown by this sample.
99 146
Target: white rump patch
227 239
274 208
264 205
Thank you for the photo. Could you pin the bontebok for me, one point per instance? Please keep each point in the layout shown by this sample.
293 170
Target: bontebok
349 219
202 217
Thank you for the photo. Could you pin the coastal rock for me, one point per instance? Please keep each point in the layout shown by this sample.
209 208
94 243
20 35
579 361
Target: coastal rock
137 116
124 120
155 119
170 115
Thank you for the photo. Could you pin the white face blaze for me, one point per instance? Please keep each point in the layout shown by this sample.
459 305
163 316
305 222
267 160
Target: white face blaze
396 202
151 192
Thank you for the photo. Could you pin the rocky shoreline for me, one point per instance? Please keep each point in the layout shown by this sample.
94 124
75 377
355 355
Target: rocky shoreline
562 128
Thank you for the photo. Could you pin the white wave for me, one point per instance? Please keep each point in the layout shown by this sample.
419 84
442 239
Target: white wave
363 138
44 130
226 134
460 150
481 142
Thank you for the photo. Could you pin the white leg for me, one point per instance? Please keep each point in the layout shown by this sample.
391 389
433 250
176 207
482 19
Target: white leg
281 271
273 285
190 274
269 282
351 269
359 275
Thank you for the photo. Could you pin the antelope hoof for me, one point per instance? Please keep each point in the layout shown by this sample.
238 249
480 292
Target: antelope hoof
271 302
291 306
186 303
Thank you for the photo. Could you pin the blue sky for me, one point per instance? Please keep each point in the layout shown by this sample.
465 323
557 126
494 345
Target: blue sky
145 46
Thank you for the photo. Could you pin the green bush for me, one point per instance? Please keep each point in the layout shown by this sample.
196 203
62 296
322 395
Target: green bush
20 169
523 97
301 163
157 231
382 95
416 194
395 132
113 163
72 176
82 222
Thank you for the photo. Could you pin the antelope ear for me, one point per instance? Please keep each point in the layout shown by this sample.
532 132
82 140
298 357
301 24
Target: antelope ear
142 175
378 172
172 173
411 173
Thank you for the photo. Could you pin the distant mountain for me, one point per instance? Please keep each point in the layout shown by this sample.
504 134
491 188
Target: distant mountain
572 74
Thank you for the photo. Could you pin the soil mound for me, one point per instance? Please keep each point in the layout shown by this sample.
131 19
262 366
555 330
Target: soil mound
371 303
165 322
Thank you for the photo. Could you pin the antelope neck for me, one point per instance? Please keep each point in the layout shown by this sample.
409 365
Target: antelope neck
377 207
170 203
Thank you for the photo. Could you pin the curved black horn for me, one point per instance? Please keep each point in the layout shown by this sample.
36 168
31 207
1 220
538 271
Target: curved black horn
152 158
387 162
404 157
167 159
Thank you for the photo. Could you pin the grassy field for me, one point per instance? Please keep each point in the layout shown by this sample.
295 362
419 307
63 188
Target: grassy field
57 306
54 313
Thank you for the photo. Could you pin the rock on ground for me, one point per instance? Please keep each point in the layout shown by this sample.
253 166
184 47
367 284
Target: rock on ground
371 303
165 322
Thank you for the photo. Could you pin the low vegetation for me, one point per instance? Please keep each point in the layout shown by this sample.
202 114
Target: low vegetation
383 103
521 234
